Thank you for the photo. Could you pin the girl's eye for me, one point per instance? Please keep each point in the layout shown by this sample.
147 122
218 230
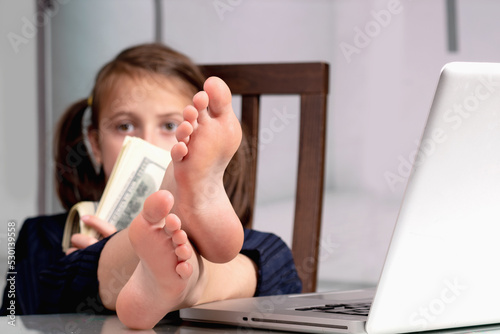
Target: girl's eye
125 127
170 126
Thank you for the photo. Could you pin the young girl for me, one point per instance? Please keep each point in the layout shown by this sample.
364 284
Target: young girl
167 257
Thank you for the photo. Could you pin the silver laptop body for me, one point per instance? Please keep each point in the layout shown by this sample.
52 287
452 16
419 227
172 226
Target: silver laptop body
441 268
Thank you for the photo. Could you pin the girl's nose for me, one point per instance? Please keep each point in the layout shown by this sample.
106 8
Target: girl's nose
150 137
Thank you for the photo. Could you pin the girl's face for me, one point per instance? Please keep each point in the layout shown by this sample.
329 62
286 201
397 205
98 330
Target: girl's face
139 107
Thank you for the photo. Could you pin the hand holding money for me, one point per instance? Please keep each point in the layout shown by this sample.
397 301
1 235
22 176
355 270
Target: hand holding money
138 173
83 240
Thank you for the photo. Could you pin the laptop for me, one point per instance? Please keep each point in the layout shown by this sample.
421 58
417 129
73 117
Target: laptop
441 269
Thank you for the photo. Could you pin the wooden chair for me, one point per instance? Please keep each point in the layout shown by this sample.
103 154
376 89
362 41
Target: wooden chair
310 81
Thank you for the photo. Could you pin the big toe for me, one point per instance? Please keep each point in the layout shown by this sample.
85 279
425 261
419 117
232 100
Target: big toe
219 96
157 206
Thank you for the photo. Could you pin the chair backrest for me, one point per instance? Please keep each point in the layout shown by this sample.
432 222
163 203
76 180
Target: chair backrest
310 81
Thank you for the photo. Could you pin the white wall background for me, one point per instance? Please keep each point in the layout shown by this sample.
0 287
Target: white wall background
379 96
18 121
18 127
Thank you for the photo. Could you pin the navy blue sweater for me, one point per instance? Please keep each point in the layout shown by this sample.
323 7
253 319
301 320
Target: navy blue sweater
48 281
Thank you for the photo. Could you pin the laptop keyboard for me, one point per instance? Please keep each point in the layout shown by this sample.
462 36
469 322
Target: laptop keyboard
350 308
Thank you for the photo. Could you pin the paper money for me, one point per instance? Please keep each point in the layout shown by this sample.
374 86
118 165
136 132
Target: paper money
138 173
146 180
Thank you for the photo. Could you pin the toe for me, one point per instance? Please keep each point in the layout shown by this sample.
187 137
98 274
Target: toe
172 224
179 237
157 206
178 151
190 113
200 101
183 252
219 96
184 130
184 269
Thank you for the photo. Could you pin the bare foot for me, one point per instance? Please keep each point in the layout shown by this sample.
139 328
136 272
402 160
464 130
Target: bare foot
165 278
208 139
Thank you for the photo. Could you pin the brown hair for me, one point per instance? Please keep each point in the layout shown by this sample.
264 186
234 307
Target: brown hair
75 175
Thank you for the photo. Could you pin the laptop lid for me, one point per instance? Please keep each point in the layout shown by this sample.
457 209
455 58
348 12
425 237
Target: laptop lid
440 270
441 261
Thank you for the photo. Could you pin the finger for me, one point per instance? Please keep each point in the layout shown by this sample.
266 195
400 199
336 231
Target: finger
71 250
80 241
103 227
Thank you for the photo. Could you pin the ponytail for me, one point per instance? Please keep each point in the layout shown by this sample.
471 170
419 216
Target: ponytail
75 175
